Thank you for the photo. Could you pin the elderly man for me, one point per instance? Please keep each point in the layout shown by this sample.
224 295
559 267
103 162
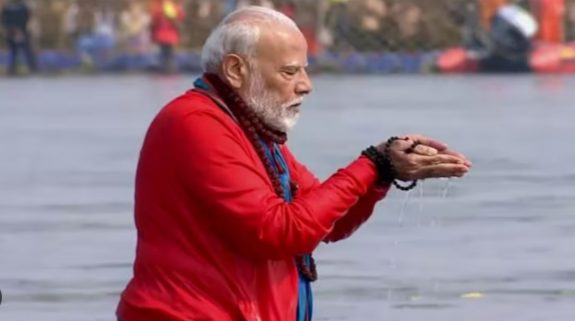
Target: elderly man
227 218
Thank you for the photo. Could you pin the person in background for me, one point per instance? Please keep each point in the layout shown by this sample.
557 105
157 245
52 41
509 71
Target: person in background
550 14
306 17
70 24
408 18
510 40
15 17
488 9
105 29
135 26
570 22
340 25
166 17
505 46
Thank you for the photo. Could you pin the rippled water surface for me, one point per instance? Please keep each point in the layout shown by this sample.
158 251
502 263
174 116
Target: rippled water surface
497 245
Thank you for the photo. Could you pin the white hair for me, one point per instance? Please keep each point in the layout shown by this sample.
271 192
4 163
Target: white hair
239 33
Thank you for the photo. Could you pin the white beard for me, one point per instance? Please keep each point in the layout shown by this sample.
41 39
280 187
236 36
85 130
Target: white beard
269 109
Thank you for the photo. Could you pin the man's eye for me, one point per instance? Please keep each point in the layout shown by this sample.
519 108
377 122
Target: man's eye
290 72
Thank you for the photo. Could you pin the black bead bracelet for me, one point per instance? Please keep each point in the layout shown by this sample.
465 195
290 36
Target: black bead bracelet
386 170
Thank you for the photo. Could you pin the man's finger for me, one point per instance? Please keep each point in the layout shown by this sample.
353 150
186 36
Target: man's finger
442 171
456 154
437 159
428 141
401 145
425 150
410 146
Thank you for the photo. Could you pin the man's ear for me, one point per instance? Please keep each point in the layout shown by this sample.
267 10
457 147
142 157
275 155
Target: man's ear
234 70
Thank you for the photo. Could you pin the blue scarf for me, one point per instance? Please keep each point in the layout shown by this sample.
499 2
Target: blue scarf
305 295
305 298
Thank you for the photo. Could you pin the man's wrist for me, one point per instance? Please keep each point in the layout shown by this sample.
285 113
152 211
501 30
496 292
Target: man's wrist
385 171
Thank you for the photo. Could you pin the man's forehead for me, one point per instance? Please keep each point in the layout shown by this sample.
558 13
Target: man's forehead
285 44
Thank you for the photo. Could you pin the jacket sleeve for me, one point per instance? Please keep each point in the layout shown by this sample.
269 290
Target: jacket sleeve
356 216
216 168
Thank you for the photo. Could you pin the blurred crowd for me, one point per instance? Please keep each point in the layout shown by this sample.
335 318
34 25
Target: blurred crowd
162 27
353 24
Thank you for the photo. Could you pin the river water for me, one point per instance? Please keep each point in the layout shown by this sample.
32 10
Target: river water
496 245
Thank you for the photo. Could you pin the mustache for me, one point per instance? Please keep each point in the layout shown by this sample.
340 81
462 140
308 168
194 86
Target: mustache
293 103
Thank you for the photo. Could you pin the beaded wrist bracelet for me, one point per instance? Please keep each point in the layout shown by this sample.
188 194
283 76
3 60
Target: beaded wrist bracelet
386 170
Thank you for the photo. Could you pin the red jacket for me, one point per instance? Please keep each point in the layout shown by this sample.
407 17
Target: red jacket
214 240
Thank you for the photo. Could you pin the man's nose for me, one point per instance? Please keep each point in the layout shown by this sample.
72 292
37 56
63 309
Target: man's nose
304 86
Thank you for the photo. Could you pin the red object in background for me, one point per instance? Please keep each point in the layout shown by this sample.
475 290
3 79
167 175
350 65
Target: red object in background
550 15
546 58
456 60
553 58
288 9
313 47
487 9
165 29
310 33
